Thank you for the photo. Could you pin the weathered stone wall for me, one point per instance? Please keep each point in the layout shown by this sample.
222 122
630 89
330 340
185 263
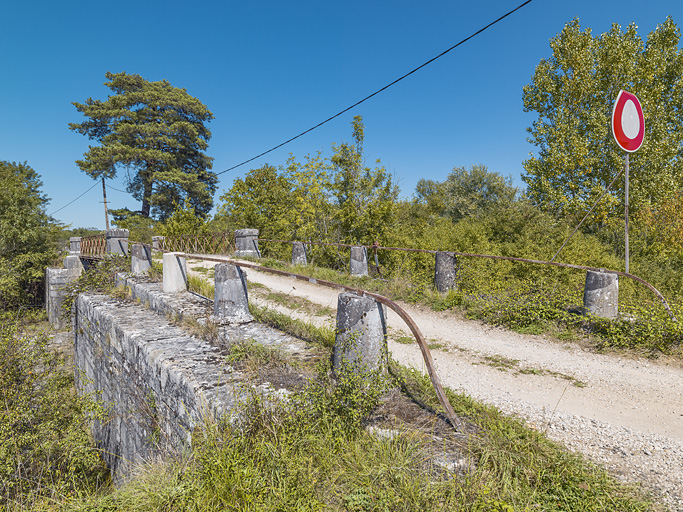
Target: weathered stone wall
157 382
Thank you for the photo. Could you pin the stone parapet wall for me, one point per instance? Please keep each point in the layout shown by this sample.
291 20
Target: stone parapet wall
157 382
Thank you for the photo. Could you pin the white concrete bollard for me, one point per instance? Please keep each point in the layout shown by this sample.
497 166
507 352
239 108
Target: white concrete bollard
444 271
299 254
361 333
175 273
246 243
117 241
359 261
601 294
140 259
230 302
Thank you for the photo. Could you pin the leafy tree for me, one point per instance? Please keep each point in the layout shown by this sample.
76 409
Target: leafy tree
475 190
573 93
158 132
26 235
364 198
431 195
183 221
262 200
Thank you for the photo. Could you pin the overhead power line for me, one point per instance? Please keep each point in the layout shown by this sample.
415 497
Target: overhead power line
60 209
117 189
379 90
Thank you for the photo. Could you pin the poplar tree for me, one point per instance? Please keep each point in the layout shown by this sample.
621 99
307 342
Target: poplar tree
158 134
573 92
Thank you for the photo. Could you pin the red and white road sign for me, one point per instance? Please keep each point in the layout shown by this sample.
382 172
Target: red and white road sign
628 123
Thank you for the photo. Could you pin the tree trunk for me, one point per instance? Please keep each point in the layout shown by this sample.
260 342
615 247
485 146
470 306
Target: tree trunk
146 195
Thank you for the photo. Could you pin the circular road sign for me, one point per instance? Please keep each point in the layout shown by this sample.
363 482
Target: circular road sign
628 123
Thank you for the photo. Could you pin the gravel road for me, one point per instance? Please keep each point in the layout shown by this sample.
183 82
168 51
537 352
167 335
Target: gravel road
624 413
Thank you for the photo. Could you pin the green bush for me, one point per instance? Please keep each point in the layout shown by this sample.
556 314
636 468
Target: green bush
46 451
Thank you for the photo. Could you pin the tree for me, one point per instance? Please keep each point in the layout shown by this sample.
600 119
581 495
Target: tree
262 200
430 196
476 190
573 93
158 132
26 235
365 198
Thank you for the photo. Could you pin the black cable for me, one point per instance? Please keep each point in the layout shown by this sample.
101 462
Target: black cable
97 183
379 90
118 190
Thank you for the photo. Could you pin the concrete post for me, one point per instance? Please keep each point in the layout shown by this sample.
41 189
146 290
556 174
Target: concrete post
175 273
299 254
73 262
359 261
230 301
444 271
361 332
246 243
117 241
75 244
601 294
157 241
55 281
140 258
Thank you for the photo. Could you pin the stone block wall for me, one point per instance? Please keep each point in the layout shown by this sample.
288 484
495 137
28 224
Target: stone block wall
157 382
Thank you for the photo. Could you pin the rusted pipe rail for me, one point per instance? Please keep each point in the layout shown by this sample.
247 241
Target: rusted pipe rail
510 258
419 337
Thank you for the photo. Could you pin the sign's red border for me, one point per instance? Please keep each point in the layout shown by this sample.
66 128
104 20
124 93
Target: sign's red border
626 143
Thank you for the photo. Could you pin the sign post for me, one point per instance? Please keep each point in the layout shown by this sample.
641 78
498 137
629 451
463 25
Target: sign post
628 127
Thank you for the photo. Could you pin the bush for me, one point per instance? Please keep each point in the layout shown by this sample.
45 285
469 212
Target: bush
45 448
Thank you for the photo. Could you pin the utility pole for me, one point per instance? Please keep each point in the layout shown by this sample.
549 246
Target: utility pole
106 212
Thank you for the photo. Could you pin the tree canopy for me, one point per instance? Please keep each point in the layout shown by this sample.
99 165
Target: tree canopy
466 192
158 133
573 91
26 235
339 200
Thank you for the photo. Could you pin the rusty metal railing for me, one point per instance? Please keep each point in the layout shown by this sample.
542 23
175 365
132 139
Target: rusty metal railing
376 247
94 245
207 243
414 329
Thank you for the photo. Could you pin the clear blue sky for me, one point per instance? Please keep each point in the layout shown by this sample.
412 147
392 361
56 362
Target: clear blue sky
269 70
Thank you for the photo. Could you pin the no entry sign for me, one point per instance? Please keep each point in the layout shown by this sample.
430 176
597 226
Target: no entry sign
628 123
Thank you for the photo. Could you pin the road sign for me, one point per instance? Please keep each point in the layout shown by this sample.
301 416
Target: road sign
628 123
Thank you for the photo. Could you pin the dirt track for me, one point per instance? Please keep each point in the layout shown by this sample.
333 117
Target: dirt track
625 413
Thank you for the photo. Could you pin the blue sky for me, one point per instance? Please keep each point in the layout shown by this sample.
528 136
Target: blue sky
269 70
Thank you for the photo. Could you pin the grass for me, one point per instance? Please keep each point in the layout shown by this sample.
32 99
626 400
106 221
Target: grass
314 452
504 364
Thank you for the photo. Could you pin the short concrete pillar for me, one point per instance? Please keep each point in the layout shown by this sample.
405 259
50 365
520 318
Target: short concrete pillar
246 243
75 244
299 254
140 258
361 332
601 294
117 241
56 280
359 261
73 262
230 301
157 242
445 271
175 273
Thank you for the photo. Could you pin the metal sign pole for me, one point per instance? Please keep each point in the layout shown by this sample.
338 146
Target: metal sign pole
626 211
